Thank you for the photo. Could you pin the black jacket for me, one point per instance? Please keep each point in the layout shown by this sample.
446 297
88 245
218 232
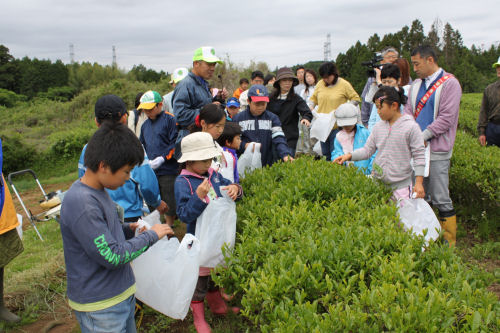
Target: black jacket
288 111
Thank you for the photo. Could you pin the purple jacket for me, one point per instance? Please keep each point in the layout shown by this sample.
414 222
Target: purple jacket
441 132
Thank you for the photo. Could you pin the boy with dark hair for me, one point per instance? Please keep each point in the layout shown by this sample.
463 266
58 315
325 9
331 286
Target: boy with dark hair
142 185
158 136
257 77
100 281
230 141
243 86
260 125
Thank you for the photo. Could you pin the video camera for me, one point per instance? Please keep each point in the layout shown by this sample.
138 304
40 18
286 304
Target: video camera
373 63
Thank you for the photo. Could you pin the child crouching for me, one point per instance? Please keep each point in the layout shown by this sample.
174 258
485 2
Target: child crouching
195 187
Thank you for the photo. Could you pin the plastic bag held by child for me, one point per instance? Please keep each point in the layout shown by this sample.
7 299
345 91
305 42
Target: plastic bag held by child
215 228
166 275
322 125
417 215
250 159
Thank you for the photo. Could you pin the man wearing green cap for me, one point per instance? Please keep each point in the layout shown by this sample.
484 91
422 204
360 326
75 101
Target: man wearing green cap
488 125
193 92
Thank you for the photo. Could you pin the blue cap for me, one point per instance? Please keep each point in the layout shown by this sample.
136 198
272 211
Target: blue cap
233 101
258 93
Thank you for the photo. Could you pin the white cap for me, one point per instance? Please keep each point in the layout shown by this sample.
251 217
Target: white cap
346 114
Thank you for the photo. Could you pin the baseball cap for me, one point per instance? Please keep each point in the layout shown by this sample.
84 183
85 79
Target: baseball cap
207 54
198 146
496 64
346 114
179 74
233 101
110 107
258 93
149 100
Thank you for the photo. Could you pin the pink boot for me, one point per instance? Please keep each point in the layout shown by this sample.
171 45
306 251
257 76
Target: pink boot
198 309
217 304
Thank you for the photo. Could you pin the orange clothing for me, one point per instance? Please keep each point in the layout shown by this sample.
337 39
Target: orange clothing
8 217
237 93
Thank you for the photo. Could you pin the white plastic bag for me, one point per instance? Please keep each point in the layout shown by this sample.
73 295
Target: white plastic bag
148 221
417 215
166 275
250 159
216 227
322 125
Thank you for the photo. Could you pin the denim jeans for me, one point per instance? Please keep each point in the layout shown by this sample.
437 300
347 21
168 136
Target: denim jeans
119 318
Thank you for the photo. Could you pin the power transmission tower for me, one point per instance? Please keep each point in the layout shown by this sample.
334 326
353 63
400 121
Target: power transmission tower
327 48
71 54
114 56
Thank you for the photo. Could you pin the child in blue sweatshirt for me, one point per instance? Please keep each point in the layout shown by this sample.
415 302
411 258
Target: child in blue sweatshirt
98 247
195 187
260 125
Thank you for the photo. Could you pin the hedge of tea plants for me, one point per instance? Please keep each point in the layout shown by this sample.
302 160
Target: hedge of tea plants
319 249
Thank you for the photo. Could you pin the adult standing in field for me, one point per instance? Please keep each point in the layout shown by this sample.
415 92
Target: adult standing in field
10 243
289 106
257 77
269 81
389 54
305 144
193 92
434 102
178 74
488 125
330 92
300 71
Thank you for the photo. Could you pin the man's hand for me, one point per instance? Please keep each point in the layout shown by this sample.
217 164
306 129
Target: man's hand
482 140
342 159
162 208
202 189
232 191
305 122
224 93
157 162
162 230
426 143
288 158
377 75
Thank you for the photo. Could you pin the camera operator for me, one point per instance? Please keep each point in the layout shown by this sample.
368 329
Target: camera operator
389 54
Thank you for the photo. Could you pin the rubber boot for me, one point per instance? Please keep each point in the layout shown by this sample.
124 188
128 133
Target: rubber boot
198 309
449 226
5 314
217 304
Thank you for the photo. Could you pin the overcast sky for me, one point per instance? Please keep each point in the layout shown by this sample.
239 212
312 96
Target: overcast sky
163 34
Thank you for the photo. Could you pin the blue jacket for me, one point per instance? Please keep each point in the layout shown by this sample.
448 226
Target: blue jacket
360 138
189 205
158 138
265 129
190 95
141 185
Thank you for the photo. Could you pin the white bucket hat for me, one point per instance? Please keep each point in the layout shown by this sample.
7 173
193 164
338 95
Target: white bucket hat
198 146
347 114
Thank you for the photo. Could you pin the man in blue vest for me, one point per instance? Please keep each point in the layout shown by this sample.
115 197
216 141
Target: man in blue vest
434 101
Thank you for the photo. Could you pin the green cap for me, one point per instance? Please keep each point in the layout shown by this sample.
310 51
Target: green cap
496 64
207 54
149 100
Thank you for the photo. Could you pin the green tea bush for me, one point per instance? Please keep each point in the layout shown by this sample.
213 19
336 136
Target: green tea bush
319 249
469 113
475 180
